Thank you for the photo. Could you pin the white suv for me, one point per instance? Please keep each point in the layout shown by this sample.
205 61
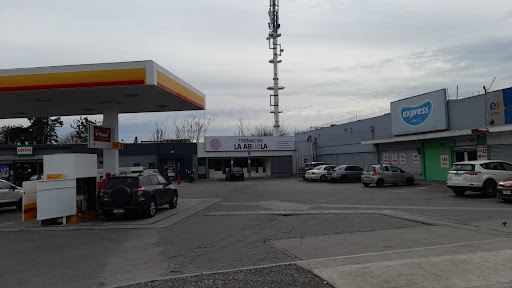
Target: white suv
10 195
478 176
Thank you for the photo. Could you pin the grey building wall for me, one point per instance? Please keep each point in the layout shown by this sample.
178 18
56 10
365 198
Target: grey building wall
305 151
396 146
346 138
467 113
143 160
341 144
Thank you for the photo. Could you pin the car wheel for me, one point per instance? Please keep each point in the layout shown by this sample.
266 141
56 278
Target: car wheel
380 183
459 192
150 209
343 179
174 201
489 188
323 178
409 181
19 205
366 184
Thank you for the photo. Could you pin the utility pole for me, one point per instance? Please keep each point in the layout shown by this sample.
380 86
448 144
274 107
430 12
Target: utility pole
273 25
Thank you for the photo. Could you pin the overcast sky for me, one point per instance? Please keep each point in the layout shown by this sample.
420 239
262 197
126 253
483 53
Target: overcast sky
341 58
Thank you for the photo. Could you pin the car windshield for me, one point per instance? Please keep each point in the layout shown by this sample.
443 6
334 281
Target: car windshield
130 182
463 167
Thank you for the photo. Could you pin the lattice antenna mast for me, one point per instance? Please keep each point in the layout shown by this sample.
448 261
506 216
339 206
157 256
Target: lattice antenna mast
273 25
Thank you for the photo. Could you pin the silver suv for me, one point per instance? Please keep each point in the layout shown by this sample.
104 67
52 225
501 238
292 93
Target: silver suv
478 176
380 174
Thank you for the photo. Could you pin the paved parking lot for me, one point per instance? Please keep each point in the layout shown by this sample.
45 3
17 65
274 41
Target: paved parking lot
255 224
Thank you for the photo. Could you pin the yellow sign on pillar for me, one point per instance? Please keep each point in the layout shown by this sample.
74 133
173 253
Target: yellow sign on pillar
118 145
53 177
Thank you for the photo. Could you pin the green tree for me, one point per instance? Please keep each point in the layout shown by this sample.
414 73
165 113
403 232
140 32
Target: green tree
43 130
81 128
10 134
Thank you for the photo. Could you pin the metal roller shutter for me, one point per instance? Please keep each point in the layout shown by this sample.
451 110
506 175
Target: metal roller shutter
501 152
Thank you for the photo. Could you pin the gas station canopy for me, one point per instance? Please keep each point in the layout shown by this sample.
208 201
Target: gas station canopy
140 86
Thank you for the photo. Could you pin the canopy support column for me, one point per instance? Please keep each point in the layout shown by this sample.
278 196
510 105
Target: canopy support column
111 120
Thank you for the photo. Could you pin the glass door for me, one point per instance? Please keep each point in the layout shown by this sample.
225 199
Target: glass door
464 154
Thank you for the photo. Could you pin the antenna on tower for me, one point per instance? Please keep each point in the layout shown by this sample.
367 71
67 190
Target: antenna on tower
273 34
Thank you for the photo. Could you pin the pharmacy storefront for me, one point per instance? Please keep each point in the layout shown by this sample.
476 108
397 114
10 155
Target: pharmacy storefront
258 156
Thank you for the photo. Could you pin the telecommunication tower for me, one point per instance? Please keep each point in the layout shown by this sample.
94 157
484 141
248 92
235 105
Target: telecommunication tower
273 25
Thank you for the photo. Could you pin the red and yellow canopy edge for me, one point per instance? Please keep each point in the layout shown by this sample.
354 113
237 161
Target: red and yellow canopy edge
172 86
79 79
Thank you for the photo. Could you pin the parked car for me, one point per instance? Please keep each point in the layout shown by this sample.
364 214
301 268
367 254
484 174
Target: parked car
35 177
318 173
308 166
381 174
235 173
10 195
345 173
478 176
504 190
137 192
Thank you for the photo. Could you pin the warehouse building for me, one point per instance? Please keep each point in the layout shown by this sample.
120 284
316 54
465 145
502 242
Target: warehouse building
423 134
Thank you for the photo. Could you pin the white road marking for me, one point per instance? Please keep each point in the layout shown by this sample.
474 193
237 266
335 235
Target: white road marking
386 207
6 223
326 258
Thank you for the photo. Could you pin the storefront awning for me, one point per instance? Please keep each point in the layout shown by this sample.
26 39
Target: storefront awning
442 134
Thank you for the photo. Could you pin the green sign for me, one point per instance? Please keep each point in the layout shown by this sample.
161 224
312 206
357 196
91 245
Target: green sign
24 150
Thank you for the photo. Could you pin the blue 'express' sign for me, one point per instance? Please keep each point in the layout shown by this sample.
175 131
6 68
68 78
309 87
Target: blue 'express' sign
416 115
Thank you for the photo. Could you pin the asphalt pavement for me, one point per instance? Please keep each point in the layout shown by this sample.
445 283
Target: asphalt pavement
267 228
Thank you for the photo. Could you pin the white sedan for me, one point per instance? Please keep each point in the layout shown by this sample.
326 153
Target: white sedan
10 195
318 173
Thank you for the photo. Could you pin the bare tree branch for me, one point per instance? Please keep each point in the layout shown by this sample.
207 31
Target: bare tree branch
243 127
193 128
70 138
159 133
266 130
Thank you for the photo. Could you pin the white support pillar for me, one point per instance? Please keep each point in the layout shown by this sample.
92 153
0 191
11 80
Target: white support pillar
111 120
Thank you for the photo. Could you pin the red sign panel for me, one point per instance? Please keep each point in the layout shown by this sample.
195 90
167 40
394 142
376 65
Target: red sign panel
101 134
